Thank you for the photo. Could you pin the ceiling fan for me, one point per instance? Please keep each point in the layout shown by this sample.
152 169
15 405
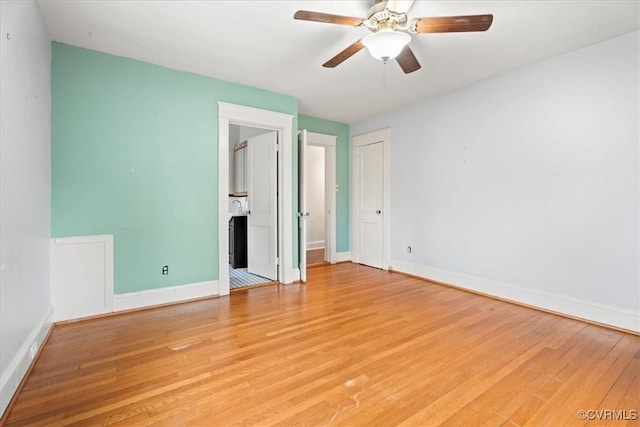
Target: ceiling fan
388 21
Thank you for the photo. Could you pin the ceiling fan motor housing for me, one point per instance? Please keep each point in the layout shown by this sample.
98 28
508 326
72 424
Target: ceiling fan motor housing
379 17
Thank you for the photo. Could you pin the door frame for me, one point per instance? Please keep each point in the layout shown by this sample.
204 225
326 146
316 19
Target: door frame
271 120
329 143
382 136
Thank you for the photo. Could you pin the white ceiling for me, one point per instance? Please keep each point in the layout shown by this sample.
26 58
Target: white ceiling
258 43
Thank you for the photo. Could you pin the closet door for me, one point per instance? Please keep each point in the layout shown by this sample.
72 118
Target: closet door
369 201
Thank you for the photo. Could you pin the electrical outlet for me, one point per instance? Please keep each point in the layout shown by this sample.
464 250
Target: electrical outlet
33 350
165 270
409 249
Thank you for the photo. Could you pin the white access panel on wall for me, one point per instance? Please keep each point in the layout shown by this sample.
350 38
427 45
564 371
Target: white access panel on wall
81 276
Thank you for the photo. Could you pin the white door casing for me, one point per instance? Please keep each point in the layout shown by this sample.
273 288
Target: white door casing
262 221
283 124
371 198
303 214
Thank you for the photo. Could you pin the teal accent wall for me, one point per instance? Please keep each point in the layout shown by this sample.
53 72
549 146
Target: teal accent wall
134 153
341 130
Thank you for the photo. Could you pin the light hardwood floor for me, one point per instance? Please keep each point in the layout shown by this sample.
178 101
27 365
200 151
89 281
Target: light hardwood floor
354 346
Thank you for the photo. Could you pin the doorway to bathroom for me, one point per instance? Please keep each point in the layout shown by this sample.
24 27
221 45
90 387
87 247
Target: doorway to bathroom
273 206
252 206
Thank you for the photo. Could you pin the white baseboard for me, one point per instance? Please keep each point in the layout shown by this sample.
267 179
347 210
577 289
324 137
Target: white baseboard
159 296
12 376
318 244
587 310
296 275
343 256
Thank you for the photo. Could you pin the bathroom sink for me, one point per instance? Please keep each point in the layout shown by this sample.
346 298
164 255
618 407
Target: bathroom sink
231 215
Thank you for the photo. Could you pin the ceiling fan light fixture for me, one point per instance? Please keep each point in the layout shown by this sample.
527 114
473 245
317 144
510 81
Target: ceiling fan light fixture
386 44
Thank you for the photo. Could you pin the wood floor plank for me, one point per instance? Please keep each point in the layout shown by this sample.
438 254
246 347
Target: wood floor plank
563 405
628 380
352 346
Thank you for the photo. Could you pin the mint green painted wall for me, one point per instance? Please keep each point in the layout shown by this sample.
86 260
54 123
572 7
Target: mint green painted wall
341 130
134 153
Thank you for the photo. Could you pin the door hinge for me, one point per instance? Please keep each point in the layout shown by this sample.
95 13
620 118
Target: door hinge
277 261
277 147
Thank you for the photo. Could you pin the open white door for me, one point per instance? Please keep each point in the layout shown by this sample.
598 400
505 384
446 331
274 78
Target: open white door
262 243
302 203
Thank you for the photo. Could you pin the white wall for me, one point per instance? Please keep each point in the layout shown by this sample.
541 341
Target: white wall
238 134
24 187
234 138
526 185
315 196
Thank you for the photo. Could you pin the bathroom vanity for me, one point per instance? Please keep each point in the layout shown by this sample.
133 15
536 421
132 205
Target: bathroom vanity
237 207
238 241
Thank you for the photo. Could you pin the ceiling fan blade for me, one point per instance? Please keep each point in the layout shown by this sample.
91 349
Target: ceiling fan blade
454 24
344 55
407 60
399 6
328 18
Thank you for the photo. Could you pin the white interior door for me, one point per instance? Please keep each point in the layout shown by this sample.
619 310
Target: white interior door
369 192
303 214
262 243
